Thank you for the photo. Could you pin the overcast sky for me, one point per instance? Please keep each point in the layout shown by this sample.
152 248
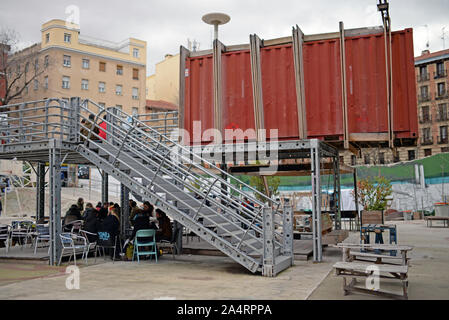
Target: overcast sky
166 25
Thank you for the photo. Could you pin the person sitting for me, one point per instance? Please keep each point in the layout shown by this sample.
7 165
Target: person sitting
91 222
80 204
148 208
111 225
71 215
102 129
103 212
165 230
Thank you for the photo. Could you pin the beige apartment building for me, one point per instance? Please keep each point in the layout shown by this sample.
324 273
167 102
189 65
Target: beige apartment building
111 74
163 85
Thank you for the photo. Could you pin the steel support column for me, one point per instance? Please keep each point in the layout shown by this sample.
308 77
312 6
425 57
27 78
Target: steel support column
124 204
40 192
178 226
104 187
268 243
55 202
316 199
356 199
287 230
337 193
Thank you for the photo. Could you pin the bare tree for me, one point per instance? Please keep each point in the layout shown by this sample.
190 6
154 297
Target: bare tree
18 69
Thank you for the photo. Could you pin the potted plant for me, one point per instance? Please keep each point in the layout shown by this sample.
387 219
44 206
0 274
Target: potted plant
373 194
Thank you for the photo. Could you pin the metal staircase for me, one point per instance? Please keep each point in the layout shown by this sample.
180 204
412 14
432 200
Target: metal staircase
192 191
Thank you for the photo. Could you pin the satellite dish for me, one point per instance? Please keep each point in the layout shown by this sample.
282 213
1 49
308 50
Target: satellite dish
216 19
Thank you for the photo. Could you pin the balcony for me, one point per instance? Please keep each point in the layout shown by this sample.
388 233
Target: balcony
423 77
423 98
440 74
425 119
425 141
441 95
442 116
443 139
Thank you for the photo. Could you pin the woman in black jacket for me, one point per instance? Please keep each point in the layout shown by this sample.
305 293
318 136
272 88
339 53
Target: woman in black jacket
91 222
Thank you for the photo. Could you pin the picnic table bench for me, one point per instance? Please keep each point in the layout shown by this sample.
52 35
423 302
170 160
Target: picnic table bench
430 219
355 266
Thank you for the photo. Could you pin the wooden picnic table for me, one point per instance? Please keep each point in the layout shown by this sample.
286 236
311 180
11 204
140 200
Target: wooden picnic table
354 266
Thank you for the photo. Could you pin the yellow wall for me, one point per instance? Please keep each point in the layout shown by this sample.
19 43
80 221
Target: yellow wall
164 84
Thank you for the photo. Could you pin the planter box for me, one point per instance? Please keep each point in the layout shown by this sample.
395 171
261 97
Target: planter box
372 217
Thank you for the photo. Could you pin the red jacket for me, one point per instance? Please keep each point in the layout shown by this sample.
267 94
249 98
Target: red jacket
102 133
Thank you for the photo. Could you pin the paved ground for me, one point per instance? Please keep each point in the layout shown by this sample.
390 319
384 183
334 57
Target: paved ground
428 273
207 277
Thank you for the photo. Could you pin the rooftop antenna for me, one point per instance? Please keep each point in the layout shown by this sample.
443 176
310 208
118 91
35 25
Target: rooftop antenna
216 19
428 39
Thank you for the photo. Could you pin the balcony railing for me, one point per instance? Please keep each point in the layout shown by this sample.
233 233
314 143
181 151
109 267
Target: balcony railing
443 139
423 77
425 141
425 119
423 97
440 74
442 116
441 95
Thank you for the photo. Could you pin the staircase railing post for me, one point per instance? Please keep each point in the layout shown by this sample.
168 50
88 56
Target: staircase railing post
74 119
287 230
268 242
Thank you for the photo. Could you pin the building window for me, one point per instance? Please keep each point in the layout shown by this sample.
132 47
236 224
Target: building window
102 104
135 93
102 66
442 112
101 87
47 38
67 37
441 89
84 84
118 90
425 115
66 61
119 106
445 149
381 157
136 74
46 59
135 52
85 63
423 75
36 64
424 96
26 89
135 111
427 152
411 155
440 70
36 84
119 70
367 159
46 82
27 67
443 135
65 82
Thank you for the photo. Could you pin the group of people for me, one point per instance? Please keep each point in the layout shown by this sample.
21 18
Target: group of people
105 217
98 132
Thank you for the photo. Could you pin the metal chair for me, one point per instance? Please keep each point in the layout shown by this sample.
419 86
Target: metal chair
73 226
105 240
90 242
21 230
4 234
170 244
146 233
42 234
68 243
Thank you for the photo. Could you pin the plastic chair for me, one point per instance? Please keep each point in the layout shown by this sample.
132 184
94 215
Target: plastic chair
68 243
146 233
42 233
105 240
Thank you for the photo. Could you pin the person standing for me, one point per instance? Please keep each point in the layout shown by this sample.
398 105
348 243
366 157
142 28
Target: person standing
80 204
1 207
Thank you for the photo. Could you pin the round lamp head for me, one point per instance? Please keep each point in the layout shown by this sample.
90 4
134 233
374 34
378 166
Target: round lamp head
216 18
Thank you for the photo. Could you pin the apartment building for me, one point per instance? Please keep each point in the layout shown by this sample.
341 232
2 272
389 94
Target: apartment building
433 100
163 85
111 74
